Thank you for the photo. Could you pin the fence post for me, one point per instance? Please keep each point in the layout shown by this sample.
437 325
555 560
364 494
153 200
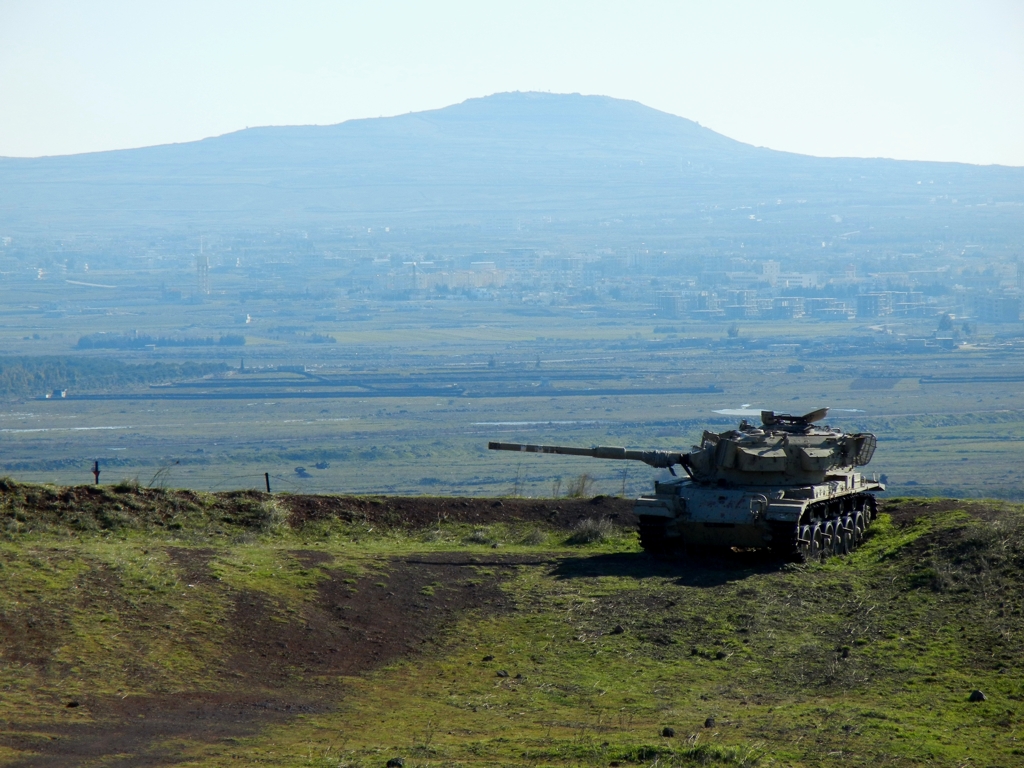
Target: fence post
266 476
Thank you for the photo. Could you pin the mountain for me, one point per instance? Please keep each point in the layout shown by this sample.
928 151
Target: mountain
580 160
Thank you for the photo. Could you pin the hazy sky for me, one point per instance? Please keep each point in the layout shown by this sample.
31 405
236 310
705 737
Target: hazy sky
917 79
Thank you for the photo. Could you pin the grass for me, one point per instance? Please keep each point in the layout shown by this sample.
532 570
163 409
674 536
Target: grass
868 659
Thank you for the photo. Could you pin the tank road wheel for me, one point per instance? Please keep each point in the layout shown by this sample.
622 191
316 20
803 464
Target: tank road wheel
870 511
866 509
803 543
838 534
828 538
858 528
809 546
844 538
653 538
817 542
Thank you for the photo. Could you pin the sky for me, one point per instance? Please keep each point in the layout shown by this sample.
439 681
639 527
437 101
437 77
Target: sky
912 79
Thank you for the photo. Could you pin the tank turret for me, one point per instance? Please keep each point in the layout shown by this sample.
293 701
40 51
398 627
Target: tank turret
784 451
789 484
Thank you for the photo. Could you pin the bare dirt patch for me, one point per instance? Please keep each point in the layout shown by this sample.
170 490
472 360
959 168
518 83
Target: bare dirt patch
906 512
194 564
133 731
359 624
279 662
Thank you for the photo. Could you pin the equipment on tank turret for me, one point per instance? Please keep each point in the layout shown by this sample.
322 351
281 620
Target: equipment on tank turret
790 485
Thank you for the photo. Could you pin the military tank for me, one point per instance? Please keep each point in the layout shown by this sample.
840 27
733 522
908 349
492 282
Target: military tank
790 485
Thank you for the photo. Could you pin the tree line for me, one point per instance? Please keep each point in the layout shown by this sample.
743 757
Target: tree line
28 376
141 341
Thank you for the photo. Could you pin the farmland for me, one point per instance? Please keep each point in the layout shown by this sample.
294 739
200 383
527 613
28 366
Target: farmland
407 395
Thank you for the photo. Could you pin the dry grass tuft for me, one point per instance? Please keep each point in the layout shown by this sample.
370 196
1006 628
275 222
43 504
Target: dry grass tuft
591 531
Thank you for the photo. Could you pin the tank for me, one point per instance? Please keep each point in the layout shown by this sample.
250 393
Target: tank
790 485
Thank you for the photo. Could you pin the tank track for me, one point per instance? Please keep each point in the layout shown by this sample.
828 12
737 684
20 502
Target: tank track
827 529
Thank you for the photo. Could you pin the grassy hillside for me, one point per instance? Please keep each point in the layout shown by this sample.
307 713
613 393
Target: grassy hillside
151 627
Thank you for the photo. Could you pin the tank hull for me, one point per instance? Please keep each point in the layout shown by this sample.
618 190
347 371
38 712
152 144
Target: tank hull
803 522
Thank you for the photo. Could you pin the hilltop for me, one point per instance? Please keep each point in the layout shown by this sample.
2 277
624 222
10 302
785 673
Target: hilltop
585 161
161 627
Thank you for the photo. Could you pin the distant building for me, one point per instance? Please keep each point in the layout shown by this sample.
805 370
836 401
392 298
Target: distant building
874 304
670 305
826 308
521 259
997 307
702 301
787 307
906 302
203 274
644 261
741 305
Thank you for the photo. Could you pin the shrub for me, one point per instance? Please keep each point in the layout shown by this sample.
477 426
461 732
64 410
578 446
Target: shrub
534 537
579 487
480 536
590 530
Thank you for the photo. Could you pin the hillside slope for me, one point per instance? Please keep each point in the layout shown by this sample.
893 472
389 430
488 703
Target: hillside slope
577 158
144 627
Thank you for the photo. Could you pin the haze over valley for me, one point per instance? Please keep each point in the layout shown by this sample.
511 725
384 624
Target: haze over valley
389 293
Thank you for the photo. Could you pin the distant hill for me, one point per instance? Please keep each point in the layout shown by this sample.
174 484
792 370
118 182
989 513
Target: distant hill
578 159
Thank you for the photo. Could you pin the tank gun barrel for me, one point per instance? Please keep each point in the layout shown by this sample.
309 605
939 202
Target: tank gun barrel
656 459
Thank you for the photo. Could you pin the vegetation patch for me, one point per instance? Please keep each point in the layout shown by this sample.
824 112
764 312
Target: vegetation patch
37 375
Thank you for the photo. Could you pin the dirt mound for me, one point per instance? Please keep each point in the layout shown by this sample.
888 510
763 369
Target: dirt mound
28 508
422 511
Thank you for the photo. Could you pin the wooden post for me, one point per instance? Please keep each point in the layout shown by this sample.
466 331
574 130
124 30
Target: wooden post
266 476
96 471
